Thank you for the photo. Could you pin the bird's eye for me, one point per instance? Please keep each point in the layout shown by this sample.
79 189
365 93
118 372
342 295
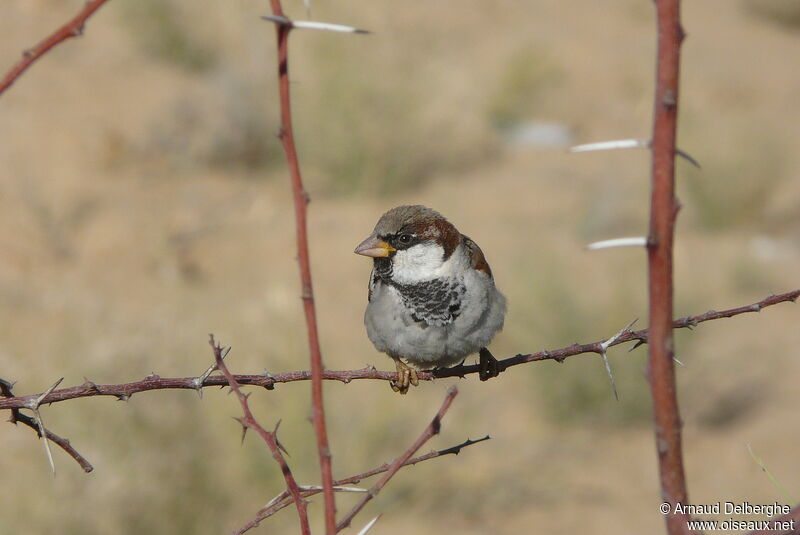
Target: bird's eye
404 239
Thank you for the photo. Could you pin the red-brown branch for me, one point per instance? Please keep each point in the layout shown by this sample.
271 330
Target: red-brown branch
301 200
663 211
433 429
61 442
249 422
73 28
124 391
284 500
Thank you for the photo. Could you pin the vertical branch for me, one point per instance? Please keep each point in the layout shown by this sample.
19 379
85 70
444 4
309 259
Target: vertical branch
301 205
663 211
248 421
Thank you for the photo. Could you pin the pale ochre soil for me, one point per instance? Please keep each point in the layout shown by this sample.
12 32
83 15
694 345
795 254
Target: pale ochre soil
116 264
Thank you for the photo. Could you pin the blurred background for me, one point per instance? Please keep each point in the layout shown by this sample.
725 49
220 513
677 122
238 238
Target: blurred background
144 203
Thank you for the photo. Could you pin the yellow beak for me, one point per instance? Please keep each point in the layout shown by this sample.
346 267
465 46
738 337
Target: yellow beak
374 247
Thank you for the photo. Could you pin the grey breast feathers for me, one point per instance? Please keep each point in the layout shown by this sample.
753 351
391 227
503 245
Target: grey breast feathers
434 302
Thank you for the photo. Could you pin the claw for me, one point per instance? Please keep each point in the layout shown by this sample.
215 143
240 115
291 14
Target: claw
488 365
406 376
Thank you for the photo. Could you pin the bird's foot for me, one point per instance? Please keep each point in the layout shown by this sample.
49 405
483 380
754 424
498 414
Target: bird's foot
488 365
406 376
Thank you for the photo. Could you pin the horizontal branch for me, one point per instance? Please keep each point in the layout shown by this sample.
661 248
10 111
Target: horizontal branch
266 380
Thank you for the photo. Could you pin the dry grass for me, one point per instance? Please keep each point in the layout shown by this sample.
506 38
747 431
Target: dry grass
129 232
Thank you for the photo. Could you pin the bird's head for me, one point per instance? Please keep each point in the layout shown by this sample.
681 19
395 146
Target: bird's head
417 241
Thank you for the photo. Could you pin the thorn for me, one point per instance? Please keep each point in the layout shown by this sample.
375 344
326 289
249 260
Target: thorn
280 446
628 144
34 403
603 349
277 19
271 378
369 525
686 156
605 345
345 489
610 375
34 406
8 385
276 499
669 99
638 343
327 27
90 385
636 241
611 145
43 433
197 382
243 423
312 25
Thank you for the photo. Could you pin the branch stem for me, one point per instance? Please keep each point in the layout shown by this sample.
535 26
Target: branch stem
249 422
73 28
432 429
123 391
301 201
663 212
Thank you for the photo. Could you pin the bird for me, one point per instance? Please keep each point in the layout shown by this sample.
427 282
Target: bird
432 300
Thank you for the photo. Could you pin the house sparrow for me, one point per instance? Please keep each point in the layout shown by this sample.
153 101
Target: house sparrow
432 298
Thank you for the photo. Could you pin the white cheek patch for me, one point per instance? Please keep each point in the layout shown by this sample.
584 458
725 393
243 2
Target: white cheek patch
418 263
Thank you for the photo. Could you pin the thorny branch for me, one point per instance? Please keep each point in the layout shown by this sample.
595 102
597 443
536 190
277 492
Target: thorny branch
301 200
433 429
73 28
63 443
268 380
283 500
249 422
663 212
